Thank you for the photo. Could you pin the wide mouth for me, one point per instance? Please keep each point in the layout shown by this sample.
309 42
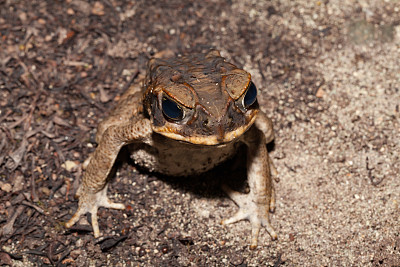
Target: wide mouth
209 140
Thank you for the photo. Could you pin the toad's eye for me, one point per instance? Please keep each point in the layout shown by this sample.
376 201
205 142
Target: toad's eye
251 96
171 109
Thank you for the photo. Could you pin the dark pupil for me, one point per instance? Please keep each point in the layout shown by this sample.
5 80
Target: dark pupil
171 109
251 96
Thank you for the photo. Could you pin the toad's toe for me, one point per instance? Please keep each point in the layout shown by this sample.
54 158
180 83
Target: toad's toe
255 211
89 202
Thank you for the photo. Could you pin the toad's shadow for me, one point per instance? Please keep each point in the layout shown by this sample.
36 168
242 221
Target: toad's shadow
231 172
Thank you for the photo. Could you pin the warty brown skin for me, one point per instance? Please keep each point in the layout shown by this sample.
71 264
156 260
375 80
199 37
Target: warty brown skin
179 147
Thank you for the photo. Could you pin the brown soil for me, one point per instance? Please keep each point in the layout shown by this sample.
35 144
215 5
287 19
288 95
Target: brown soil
328 73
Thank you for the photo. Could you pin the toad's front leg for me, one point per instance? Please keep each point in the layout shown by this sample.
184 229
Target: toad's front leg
256 205
93 190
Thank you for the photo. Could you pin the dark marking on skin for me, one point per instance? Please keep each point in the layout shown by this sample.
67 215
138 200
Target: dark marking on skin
175 78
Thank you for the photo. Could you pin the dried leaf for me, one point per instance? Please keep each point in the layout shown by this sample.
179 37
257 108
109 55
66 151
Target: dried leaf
17 156
104 97
69 165
98 9
5 259
320 93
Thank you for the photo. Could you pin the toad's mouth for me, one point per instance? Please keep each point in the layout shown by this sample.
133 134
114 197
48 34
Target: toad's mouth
210 140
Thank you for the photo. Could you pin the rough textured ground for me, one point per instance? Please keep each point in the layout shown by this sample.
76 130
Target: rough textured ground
328 73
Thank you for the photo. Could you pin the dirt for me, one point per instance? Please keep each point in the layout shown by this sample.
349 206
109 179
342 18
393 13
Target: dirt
328 74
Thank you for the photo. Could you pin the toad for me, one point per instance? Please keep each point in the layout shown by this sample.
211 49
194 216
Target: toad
191 114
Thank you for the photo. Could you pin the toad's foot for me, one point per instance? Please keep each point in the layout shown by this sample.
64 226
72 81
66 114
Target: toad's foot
89 202
257 212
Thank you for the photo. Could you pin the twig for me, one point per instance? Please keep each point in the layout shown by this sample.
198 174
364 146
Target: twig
63 256
5 115
27 203
34 196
